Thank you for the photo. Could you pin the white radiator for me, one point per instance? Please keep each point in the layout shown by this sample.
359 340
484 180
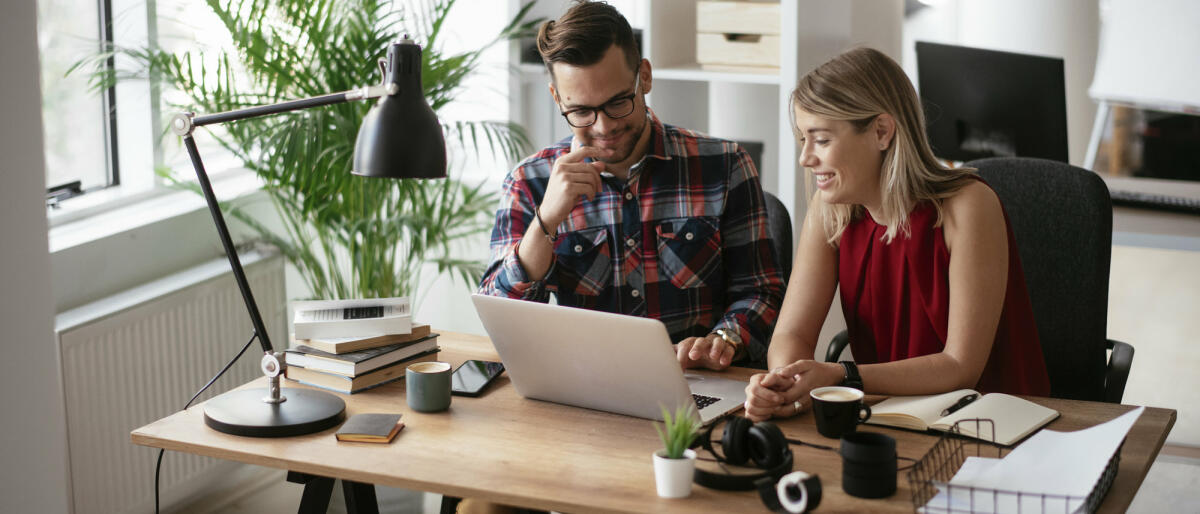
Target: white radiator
138 356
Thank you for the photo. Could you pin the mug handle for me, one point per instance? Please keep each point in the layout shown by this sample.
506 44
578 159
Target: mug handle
865 409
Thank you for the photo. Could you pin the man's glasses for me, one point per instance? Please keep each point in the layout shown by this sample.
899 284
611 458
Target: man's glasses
618 107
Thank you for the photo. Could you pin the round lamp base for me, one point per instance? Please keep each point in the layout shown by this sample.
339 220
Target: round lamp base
244 413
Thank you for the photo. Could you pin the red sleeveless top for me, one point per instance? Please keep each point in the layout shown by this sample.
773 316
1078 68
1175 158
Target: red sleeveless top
896 299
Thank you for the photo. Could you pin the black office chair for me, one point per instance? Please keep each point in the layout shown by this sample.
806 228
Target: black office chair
1061 217
779 225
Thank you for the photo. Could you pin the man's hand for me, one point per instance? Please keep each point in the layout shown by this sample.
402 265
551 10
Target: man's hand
570 179
710 351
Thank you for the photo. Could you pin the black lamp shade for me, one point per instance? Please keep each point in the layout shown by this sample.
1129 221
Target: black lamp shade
401 137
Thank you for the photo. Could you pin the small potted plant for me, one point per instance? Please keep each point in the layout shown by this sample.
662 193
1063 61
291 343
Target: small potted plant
675 464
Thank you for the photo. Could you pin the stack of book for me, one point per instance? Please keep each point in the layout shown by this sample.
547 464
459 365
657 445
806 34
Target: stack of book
353 345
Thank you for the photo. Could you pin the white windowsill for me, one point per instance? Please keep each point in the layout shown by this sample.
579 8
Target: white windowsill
106 213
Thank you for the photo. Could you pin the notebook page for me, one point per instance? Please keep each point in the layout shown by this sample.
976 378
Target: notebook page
927 407
1013 417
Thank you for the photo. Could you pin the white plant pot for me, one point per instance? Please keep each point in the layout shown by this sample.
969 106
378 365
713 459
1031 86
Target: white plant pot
673 477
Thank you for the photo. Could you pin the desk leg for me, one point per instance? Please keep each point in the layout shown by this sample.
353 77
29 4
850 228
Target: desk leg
450 504
317 491
360 498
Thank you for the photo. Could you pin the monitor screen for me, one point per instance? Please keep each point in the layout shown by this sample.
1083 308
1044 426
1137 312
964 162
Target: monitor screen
985 103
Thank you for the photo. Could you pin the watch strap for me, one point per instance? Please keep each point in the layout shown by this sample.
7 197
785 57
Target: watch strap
852 378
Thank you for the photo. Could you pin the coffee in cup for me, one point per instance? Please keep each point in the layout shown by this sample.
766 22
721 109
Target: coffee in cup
427 386
838 410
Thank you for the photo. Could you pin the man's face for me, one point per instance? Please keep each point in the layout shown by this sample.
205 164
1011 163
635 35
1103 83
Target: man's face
603 86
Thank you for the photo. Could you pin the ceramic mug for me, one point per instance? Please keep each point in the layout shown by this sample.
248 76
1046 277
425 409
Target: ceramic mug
427 387
838 410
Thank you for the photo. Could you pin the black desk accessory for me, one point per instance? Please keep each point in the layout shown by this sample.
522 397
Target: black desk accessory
868 464
400 138
937 467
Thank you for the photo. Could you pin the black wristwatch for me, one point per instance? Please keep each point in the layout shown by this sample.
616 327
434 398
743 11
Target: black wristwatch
852 378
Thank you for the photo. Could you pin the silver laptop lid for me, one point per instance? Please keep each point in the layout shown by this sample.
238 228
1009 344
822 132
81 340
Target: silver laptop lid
598 360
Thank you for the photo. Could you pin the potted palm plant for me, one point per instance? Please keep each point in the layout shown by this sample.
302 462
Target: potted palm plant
347 237
675 464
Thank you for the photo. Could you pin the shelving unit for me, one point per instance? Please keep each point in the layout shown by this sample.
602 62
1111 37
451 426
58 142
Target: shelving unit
742 106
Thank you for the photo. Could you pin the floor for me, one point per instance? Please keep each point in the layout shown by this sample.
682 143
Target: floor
1173 485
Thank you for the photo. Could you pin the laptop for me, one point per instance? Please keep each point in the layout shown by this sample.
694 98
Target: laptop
599 360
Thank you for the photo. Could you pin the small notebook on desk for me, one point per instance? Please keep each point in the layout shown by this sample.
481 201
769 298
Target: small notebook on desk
1012 417
370 428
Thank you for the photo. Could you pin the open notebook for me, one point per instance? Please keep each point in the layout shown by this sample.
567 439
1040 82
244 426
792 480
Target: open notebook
1012 417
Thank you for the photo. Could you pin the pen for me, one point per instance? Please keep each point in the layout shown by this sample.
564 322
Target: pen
962 402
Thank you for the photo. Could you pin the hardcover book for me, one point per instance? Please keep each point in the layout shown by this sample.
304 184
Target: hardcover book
351 385
352 364
1012 417
339 345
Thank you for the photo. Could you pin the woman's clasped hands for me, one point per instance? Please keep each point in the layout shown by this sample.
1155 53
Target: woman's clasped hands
783 391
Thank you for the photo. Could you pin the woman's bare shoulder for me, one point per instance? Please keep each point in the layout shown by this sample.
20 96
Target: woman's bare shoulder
973 207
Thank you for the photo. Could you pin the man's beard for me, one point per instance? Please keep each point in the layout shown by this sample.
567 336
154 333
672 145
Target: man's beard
623 153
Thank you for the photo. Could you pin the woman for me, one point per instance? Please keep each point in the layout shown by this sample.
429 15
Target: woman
931 282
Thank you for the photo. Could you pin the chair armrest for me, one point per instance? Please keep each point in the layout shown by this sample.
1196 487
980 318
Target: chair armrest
1119 363
839 343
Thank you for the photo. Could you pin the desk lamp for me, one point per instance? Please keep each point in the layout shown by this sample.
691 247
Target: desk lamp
400 137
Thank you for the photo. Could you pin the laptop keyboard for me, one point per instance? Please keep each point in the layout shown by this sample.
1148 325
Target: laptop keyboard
704 401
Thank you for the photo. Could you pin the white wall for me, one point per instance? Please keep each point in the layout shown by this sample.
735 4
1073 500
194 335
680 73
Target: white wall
34 475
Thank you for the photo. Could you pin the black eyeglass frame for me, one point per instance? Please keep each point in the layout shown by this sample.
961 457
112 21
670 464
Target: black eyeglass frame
596 110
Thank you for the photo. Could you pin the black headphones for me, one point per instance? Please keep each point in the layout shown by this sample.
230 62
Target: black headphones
745 441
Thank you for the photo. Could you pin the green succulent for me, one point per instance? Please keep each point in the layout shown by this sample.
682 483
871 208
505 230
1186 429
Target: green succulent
679 431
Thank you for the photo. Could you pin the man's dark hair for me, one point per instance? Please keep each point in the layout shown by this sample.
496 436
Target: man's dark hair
582 35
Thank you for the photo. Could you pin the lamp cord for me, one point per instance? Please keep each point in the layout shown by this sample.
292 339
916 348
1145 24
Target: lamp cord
158 463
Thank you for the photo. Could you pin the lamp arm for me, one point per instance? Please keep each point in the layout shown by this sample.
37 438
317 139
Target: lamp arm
185 123
235 263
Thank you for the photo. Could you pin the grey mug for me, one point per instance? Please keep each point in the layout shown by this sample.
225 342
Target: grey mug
427 386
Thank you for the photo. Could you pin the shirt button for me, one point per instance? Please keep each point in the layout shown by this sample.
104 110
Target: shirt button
688 236
628 195
578 248
630 242
635 293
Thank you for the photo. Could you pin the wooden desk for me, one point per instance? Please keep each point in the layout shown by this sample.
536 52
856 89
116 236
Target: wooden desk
503 448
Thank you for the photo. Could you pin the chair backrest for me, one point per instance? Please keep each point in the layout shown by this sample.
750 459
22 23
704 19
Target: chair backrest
779 224
1061 217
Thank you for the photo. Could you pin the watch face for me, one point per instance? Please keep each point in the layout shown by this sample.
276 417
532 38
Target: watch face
730 336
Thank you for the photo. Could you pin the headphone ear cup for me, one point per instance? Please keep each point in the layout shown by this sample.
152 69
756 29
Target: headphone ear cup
767 445
733 441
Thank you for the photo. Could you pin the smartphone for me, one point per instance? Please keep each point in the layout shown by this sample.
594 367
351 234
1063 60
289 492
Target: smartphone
471 377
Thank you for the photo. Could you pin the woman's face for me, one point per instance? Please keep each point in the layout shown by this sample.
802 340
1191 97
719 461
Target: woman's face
844 162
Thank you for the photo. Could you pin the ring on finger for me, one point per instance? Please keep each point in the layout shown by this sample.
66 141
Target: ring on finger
798 406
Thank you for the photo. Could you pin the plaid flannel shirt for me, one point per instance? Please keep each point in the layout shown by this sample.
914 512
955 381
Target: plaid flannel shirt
684 240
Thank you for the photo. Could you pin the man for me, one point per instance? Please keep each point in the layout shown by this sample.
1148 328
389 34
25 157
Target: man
634 216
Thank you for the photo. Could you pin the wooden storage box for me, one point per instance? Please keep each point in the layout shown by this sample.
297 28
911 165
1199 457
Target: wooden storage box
737 34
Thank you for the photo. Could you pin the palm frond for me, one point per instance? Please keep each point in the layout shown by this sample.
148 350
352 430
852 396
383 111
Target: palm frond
348 237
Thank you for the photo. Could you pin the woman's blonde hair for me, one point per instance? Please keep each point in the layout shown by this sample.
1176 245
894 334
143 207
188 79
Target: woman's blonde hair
857 86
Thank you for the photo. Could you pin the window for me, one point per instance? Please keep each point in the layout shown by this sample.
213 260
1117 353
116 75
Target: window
113 141
78 133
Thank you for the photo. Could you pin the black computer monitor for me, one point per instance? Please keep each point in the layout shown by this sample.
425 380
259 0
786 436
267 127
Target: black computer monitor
985 103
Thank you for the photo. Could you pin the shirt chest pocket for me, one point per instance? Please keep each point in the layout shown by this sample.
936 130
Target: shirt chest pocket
584 261
689 251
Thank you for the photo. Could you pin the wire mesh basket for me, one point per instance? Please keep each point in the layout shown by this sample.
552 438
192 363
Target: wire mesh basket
933 492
